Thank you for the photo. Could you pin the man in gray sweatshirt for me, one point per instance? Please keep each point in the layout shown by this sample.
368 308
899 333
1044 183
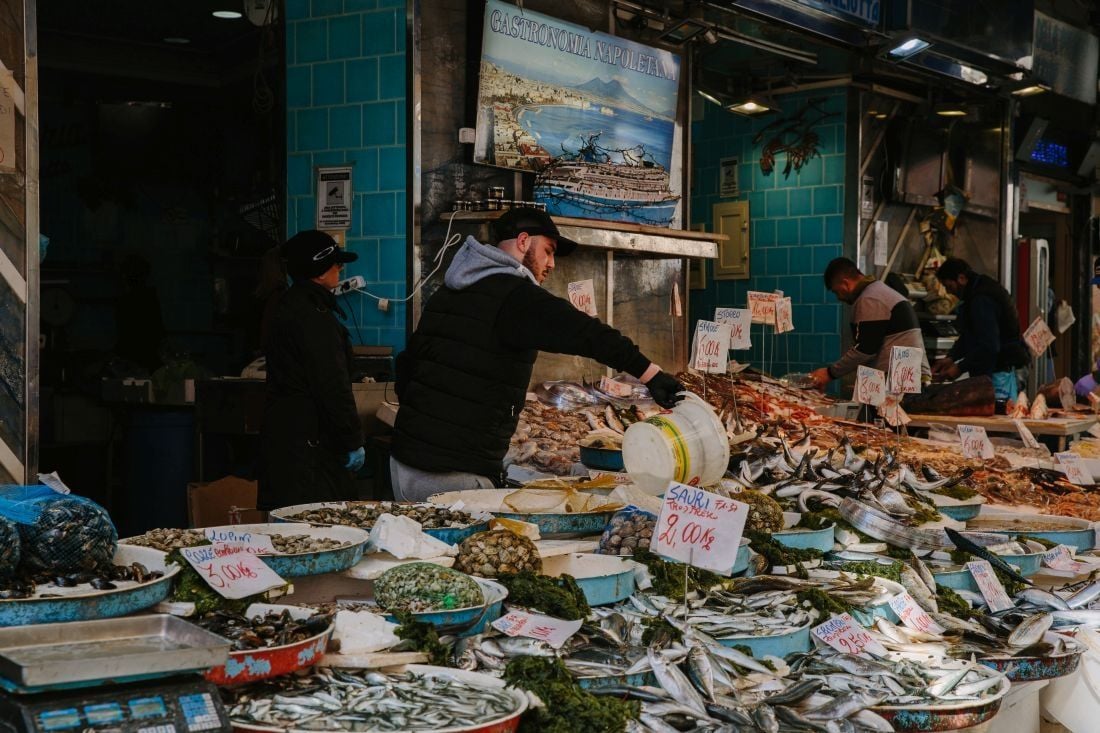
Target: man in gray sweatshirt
881 318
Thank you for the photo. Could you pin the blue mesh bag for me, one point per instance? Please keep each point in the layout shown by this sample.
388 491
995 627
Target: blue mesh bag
60 533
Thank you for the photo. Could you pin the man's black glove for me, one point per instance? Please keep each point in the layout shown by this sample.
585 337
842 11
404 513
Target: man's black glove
663 389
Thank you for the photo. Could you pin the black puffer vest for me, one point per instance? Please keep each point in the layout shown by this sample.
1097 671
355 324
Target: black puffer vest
461 389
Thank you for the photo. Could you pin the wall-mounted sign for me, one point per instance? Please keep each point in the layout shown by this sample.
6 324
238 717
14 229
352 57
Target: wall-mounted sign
728 181
334 198
865 12
593 114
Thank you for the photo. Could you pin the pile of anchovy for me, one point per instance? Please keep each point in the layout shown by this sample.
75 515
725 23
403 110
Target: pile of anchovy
354 700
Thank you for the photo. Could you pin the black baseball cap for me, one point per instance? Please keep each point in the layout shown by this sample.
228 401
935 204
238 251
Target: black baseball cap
1095 272
536 223
311 253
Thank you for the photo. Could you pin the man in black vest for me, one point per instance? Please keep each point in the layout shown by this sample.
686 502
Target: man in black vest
312 437
989 329
463 379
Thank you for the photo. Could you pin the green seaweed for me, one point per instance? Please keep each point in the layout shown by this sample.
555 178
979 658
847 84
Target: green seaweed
424 638
659 631
923 512
951 602
823 602
559 597
668 577
958 491
566 707
779 554
871 567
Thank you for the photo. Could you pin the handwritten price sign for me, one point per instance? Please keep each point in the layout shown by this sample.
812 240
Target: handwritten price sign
700 528
554 631
231 570
762 306
989 585
1061 558
1038 337
1025 433
582 295
711 347
892 411
784 315
975 443
739 320
905 364
913 615
845 635
615 388
1075 472
870 386
257 544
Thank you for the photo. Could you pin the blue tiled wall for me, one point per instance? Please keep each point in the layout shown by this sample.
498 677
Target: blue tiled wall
346 104
796 226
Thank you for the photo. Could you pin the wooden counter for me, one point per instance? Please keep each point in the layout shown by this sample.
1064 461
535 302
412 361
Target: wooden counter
1060 427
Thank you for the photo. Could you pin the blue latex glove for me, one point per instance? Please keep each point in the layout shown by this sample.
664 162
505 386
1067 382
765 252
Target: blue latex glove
356 459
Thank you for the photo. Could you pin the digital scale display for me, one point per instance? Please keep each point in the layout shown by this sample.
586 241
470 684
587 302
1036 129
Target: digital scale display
147 707
110 712
59 719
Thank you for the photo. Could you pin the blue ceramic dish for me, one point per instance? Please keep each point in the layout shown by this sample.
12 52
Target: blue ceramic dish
806 539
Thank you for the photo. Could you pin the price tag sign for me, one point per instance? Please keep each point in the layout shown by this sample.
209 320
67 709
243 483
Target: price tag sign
554 631
1075 472
1066 394
912 615
582 295
739 320
1025 434
231 570
697 527
892 412
711 347
905 363
990 586
615 388
1038 337
975 443
845 635
784 316
257 544
1061 558
870 386
762 306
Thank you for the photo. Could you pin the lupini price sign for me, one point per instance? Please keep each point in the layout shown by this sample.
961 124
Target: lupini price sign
700 528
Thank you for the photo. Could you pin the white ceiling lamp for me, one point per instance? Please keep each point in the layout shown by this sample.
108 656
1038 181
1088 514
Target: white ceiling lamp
227 14
910 47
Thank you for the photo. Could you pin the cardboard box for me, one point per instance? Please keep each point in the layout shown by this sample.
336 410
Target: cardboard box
229 500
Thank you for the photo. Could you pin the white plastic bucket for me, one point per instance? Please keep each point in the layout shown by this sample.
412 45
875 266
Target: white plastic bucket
686 444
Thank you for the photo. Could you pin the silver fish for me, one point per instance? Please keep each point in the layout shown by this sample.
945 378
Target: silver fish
923 571
676 684
947 682
701 671
1030 630
792 718
843 706
739 658
1043 599
922 594
1084 596
764 718
973 688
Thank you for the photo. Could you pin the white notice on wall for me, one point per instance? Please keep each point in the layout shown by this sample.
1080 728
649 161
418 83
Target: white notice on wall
582 294
870 386
1038 337
739 321
784 315
334 197
882 243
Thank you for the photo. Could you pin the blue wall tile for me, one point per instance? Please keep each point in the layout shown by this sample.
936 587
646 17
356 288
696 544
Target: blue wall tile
796 227
335 49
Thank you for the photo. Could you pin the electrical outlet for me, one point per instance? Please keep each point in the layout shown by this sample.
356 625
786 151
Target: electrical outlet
352 283
384 305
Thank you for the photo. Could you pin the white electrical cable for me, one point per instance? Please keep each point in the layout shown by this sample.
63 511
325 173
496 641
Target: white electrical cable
448 242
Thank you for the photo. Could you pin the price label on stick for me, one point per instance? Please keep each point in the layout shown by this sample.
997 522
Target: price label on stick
231 570
1038 337
1067 395
554 631
257 544
739 320
975 443
762 306
989 585
697 527
784 316
905 363
1025 434
845 635
711 347
912 615
582 295
1075 472
1061 558
615 388
870 386
892 411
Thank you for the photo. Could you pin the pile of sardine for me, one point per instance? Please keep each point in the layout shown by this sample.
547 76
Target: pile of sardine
364 514
167 540
358 700
258 632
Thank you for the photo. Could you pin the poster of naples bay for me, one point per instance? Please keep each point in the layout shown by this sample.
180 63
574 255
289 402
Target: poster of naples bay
592 114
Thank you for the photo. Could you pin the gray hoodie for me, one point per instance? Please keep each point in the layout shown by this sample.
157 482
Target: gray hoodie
475 261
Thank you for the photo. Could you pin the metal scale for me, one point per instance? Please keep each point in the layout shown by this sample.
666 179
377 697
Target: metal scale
140 674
